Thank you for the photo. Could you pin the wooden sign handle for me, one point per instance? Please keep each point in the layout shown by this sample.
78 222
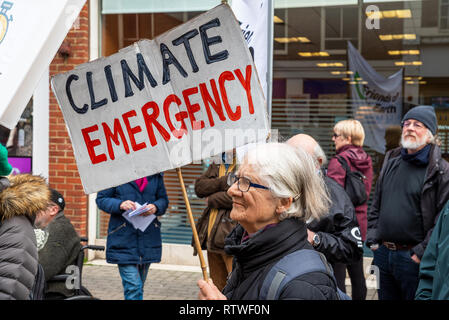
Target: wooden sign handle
192 225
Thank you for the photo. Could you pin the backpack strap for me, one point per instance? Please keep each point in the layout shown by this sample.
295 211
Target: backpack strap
343 163
290 267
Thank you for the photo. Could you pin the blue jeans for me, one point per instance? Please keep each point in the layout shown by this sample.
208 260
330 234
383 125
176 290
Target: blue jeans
399 274
133 279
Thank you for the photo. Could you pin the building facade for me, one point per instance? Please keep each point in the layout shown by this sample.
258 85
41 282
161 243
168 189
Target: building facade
311 85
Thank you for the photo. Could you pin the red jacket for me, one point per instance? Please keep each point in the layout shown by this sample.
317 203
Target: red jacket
358 160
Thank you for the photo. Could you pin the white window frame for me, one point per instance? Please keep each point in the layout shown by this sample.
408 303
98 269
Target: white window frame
323 31
440 3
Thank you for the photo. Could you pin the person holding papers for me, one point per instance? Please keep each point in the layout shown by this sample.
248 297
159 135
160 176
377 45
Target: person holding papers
134 235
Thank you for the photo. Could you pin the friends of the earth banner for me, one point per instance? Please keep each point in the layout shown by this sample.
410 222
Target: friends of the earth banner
376 100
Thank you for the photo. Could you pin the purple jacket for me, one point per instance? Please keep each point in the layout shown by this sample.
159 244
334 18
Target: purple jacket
358 160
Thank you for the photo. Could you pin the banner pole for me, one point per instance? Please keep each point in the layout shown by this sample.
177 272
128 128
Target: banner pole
192 225
269 79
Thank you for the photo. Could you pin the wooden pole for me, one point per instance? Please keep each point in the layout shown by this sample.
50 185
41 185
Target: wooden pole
192 225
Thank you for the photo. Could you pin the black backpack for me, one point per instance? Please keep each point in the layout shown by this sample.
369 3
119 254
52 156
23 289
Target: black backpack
292 266
354 184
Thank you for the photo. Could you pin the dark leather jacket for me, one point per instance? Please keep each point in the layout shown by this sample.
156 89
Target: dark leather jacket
434 195
339 232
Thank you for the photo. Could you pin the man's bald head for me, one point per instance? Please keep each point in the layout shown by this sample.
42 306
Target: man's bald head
310 145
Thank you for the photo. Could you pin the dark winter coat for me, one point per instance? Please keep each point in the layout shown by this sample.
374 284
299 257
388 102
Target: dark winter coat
214 188
61 250
434 195
338 231
358 160
125 244
254 258
19 205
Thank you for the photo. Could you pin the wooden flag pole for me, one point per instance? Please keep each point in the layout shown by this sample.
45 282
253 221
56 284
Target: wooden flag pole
192 225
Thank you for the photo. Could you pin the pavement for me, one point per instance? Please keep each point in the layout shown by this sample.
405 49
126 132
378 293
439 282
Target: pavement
164 282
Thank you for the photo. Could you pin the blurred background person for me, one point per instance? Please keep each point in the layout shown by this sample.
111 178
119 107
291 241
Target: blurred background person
392 141
131 249
333 234
61 248
215 222
348 138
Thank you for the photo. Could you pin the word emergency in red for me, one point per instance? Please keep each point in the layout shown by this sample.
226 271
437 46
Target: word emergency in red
157 116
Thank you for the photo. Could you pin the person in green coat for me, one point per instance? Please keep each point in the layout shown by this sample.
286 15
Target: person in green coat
434 267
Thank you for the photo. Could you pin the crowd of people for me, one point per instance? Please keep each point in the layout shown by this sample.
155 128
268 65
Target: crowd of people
285 223
286 202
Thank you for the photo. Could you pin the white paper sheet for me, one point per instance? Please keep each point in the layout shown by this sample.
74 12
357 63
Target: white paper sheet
137 220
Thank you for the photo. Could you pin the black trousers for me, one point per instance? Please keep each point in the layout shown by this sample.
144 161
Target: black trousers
357 276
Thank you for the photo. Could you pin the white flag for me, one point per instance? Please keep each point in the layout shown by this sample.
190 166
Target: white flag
30 35
253 18
376 100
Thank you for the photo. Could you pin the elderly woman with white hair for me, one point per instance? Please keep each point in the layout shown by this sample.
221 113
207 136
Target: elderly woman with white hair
274 192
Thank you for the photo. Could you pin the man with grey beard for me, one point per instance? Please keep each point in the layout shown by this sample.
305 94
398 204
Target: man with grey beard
411 190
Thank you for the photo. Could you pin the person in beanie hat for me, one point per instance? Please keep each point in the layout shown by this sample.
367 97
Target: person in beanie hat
57 199
61 249
411 191
56 205
5 167
424 114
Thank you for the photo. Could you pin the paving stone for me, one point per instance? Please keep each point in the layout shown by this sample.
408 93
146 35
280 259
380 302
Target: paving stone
104 282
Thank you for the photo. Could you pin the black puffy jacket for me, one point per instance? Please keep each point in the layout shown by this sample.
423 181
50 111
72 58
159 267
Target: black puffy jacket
254 258
339 231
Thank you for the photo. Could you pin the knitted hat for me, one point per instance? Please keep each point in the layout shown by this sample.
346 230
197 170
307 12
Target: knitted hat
424 114
57 198
5 167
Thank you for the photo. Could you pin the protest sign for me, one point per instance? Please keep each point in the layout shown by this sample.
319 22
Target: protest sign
30 35
376 100
189 94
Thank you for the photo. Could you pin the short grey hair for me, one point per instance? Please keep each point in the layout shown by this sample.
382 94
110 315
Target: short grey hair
433 139
318 153
290 173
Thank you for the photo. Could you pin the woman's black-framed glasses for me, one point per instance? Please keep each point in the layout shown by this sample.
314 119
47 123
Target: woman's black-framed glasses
243 183
336 135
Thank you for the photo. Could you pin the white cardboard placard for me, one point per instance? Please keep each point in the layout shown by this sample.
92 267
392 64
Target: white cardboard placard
159 104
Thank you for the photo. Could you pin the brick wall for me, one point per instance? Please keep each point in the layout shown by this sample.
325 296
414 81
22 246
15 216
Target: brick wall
63 172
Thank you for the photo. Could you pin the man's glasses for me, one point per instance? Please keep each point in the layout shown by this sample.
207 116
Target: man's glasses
408 124
243 183
336 135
